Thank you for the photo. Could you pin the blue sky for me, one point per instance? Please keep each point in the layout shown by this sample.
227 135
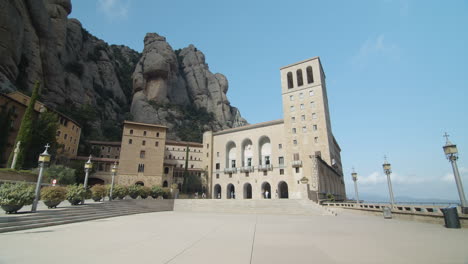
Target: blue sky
397 73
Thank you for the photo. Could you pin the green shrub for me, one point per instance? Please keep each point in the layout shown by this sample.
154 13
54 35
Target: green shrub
53 195
166 193
64 175
76 194
120 191
156 191
145 191
98 192
134 191
16 194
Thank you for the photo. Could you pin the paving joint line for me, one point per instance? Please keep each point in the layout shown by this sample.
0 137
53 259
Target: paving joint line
253 239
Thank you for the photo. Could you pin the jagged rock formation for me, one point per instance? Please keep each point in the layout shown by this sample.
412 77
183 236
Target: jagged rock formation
92 82
166 81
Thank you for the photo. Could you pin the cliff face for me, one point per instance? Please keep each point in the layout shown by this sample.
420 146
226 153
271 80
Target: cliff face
87 79
169 85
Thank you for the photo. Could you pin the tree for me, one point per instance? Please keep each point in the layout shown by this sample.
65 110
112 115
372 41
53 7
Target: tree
63 175
25 132
192 183
45 131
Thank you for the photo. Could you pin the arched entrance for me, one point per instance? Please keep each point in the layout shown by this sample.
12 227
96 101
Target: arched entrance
283 190
217 191
94 181
230 191
165 184
247 191
266 190
140 183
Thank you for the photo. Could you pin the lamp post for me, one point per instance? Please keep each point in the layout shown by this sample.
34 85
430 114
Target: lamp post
44 158
451 153
388 170
88 166
354 175
114 170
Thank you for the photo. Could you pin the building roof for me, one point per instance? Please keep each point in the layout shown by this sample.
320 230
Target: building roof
38 103
183 143
300 62
94 159
106 143
143 124
258 125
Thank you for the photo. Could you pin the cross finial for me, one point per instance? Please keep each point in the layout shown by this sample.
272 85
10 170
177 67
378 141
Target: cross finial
447 138
47 146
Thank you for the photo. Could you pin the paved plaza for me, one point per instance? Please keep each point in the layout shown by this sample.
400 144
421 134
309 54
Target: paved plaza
182 237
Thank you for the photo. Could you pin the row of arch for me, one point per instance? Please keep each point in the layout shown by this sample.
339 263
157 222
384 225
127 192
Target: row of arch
281 192
299 78
247 152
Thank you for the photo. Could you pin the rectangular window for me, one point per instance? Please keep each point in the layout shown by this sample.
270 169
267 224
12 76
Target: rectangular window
291 108
311 92
71 139
142 154
291 98
297 169
302 117
217 166
314 116
249 162
281 160
130 141
281 171
65 136
217 176
265 173
233 163
301 95
304 129
156 144
58 133
314 127
280 146
302 106
267 160
141 167
144 133
312 104
296 156
217 154
294 130
316 139
295 142
191 166
108 149
207 145
293 119
143 142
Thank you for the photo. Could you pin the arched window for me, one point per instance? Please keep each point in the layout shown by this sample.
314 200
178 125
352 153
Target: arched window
165 184
231 155
310 76
300 81
290 80
166 170
157 134
131 131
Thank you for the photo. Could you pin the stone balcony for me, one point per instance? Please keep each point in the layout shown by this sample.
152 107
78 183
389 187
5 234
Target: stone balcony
297 163
247 169
267 167
230 170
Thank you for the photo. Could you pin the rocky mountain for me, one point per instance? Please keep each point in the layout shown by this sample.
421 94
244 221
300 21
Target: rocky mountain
100 85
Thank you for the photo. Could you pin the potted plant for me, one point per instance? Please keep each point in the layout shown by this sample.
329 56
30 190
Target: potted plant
53 195
14 196
119 191
75 194
156 191
145 192
98 192
166 194
134 191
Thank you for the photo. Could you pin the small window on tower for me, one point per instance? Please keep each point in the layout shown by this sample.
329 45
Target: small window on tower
291 98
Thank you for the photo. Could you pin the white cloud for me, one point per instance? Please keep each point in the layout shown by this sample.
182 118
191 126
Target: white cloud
377 178
376 47
114 8
373 178
448 177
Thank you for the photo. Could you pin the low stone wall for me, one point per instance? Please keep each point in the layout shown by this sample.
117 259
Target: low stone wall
7 175
424 213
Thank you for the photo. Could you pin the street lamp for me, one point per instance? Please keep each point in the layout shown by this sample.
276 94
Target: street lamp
113 170
44 158
88 166
451 153
354 175
388 170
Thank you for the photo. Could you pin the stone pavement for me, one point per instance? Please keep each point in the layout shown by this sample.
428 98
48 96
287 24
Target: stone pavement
188 237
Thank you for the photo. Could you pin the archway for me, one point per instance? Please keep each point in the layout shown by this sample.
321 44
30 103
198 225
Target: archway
165 184
94 181
140 183
283 190
230 191
247 191
217 191
266 190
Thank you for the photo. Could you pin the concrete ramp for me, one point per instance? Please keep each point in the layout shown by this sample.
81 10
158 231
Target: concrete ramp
278 206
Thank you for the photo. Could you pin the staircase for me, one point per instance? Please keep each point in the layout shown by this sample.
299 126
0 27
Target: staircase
73 214
267 206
